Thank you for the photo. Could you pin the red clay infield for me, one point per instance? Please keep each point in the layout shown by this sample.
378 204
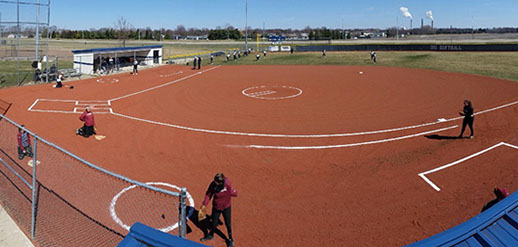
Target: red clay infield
297 142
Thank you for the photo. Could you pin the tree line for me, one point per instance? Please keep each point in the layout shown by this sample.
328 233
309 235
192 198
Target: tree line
230 32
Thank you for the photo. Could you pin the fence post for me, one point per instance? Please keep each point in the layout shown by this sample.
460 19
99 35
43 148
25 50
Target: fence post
34 164
183 214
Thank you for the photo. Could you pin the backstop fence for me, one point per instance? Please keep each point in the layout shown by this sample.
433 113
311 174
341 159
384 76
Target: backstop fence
63 200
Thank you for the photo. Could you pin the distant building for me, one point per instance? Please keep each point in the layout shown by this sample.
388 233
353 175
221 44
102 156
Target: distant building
200 37
13 36
292 36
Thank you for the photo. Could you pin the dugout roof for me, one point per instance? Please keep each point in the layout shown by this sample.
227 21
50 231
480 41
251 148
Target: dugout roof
117 49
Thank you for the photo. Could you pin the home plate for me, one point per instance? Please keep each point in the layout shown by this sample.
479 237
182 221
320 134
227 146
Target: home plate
31 162
441 120
99 137
361 73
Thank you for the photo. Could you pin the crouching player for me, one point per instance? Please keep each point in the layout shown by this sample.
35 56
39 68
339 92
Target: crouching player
88 128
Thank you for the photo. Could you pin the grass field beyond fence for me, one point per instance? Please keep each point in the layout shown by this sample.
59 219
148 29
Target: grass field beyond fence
502 65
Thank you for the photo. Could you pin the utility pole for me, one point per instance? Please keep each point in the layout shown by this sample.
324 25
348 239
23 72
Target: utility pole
472 28
48 35
263 31
18 41
1 27
451 33
37 31
246 26
397 28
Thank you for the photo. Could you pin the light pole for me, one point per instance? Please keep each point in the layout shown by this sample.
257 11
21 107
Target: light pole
246 26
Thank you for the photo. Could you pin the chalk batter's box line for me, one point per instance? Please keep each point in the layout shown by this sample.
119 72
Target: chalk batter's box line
68 112
77 103
426 179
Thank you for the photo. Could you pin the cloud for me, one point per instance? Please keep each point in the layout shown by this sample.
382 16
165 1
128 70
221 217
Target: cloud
429 15
405 12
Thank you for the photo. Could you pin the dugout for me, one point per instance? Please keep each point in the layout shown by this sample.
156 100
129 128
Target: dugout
90 61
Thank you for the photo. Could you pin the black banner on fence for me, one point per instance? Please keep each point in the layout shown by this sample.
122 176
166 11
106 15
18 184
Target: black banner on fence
410 47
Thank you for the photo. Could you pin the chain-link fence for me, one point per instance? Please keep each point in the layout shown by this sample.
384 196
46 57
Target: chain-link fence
75 203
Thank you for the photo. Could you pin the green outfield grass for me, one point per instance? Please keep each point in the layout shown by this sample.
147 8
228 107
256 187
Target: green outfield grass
493 64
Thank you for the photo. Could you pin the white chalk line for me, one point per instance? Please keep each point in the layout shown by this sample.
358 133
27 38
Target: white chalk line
76 103
172 74
67 112
258 95
306 135
163 85
341 145
33 104
423 174
113 203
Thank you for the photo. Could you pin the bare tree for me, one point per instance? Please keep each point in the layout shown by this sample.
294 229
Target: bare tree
123 30
180 30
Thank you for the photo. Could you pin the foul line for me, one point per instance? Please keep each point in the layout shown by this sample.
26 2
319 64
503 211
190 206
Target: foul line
342 145
423 174
163 85
307 136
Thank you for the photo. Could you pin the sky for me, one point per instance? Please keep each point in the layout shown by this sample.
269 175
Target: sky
296 14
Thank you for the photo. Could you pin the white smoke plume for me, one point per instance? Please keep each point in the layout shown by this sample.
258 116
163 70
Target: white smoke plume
429 15
405 12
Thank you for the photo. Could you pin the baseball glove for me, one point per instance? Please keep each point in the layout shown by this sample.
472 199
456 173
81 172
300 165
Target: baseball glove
202 214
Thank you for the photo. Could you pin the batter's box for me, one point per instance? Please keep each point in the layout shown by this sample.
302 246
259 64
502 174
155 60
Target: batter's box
70 106
429 181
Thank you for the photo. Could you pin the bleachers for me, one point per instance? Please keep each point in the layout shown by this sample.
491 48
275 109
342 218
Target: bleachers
497 226
141 235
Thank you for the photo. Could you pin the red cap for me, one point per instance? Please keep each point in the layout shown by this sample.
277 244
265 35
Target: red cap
501 193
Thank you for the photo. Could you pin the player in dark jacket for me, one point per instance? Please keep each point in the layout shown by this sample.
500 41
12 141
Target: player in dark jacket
467 112
194 62
221 191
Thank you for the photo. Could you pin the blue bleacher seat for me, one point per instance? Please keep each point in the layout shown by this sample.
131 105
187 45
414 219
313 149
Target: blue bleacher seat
141 235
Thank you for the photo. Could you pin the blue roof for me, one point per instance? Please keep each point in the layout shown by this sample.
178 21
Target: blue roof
497 226
118 49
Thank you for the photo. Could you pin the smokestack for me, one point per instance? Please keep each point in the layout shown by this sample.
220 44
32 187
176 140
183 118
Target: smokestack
422 23
410 24
429 15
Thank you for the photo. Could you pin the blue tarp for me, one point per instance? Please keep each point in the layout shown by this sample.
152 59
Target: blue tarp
497 226
141 235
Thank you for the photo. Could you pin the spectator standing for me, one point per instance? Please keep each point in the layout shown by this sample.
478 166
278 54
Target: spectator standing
37 75
135 67
24 143
199 62
53 71
194 62
111 64
117 63
211 58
